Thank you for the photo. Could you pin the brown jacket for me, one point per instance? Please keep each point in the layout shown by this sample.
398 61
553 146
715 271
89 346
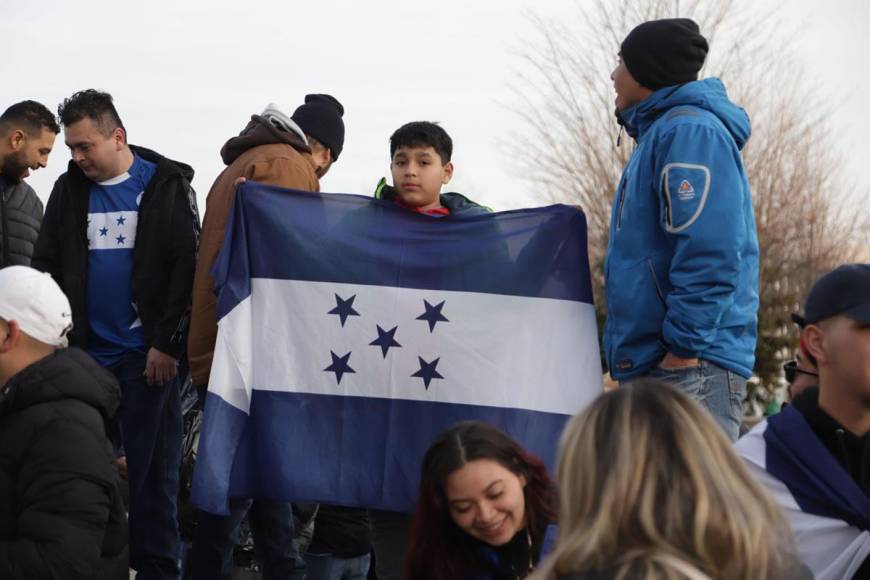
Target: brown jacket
261 153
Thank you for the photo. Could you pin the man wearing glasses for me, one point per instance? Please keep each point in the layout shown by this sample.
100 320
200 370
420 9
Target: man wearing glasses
800 374
814 456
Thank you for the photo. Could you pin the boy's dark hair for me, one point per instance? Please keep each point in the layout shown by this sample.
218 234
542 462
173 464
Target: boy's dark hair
93 104
423 134
30 116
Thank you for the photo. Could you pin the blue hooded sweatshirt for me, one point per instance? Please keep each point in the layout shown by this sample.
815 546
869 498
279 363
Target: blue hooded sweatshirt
681 273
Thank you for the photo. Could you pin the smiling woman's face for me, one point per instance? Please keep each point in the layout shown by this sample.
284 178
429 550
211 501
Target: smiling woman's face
486 501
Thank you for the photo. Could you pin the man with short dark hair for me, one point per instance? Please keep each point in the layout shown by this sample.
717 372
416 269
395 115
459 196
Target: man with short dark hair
681 276
27 133
814 456
120 236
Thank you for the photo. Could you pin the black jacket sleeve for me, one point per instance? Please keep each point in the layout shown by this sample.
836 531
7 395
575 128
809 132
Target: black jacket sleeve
47 255
66 493
171 331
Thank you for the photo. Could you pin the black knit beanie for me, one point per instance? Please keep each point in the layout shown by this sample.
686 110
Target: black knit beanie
320 117
662 53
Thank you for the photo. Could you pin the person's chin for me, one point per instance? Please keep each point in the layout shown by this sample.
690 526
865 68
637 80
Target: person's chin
92 174
502 537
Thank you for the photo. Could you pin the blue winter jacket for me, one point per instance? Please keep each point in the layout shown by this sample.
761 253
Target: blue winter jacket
681 273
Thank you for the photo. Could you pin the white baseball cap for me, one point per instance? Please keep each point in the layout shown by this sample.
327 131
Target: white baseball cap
35 301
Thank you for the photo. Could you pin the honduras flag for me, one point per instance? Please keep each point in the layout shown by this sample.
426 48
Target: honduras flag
351 331
828 512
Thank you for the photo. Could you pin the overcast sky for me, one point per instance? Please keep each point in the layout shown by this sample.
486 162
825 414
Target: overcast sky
187 75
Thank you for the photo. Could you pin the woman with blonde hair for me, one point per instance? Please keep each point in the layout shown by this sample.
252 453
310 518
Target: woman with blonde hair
650 488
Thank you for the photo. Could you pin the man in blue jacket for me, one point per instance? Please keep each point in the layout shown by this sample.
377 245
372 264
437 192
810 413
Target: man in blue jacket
681 275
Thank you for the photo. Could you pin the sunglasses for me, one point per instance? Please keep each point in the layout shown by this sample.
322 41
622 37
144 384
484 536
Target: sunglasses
791 369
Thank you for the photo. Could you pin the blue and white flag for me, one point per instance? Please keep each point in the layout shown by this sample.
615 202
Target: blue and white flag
827 511
351 331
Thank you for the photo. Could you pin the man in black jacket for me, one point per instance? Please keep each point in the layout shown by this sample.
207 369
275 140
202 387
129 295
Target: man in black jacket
119 236
27 133
61 516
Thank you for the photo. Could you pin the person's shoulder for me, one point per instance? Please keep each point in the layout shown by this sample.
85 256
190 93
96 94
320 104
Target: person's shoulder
163 168
688 120
459 204
267 152
284 156
24 198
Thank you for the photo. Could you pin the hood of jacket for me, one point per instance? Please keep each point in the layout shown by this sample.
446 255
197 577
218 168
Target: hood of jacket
457 203
708 94
68 373
259 131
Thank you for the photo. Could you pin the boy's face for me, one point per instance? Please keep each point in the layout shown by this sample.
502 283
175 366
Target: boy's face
418 175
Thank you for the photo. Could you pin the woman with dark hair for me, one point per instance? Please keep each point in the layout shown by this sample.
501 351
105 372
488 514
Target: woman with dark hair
484 508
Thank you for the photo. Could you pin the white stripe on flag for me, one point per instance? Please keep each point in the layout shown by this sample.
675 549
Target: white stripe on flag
494 350
831 549
112 230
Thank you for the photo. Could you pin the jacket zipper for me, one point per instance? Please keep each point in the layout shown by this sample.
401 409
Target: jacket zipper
655 280
620 203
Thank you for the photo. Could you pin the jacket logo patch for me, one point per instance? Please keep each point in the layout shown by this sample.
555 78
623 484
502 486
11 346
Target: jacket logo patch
624 364
686 191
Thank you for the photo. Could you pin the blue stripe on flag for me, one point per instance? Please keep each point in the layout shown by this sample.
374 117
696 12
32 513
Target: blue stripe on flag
353 451
295 235
819 485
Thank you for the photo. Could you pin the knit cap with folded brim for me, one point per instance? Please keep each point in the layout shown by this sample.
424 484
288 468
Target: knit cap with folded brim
320 117
663 53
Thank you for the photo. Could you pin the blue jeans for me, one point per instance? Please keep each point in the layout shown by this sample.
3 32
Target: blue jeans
719 390
151 431
329 567
272 527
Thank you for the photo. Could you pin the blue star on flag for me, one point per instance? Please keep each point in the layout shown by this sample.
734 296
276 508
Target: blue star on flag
120 239
344 308
427 371
433 315
121 220
386 339
339 366
104 231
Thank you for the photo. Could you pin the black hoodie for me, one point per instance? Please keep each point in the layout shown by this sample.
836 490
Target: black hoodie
850 450
164 258
60 512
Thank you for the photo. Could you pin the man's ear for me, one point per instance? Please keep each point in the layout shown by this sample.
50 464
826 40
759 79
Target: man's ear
448 173
120 137
12 338
17 139
814 342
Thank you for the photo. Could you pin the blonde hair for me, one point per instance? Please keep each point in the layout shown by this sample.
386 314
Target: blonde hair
649 486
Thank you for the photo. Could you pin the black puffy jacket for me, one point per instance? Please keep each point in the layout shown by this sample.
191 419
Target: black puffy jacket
61 517
20 216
